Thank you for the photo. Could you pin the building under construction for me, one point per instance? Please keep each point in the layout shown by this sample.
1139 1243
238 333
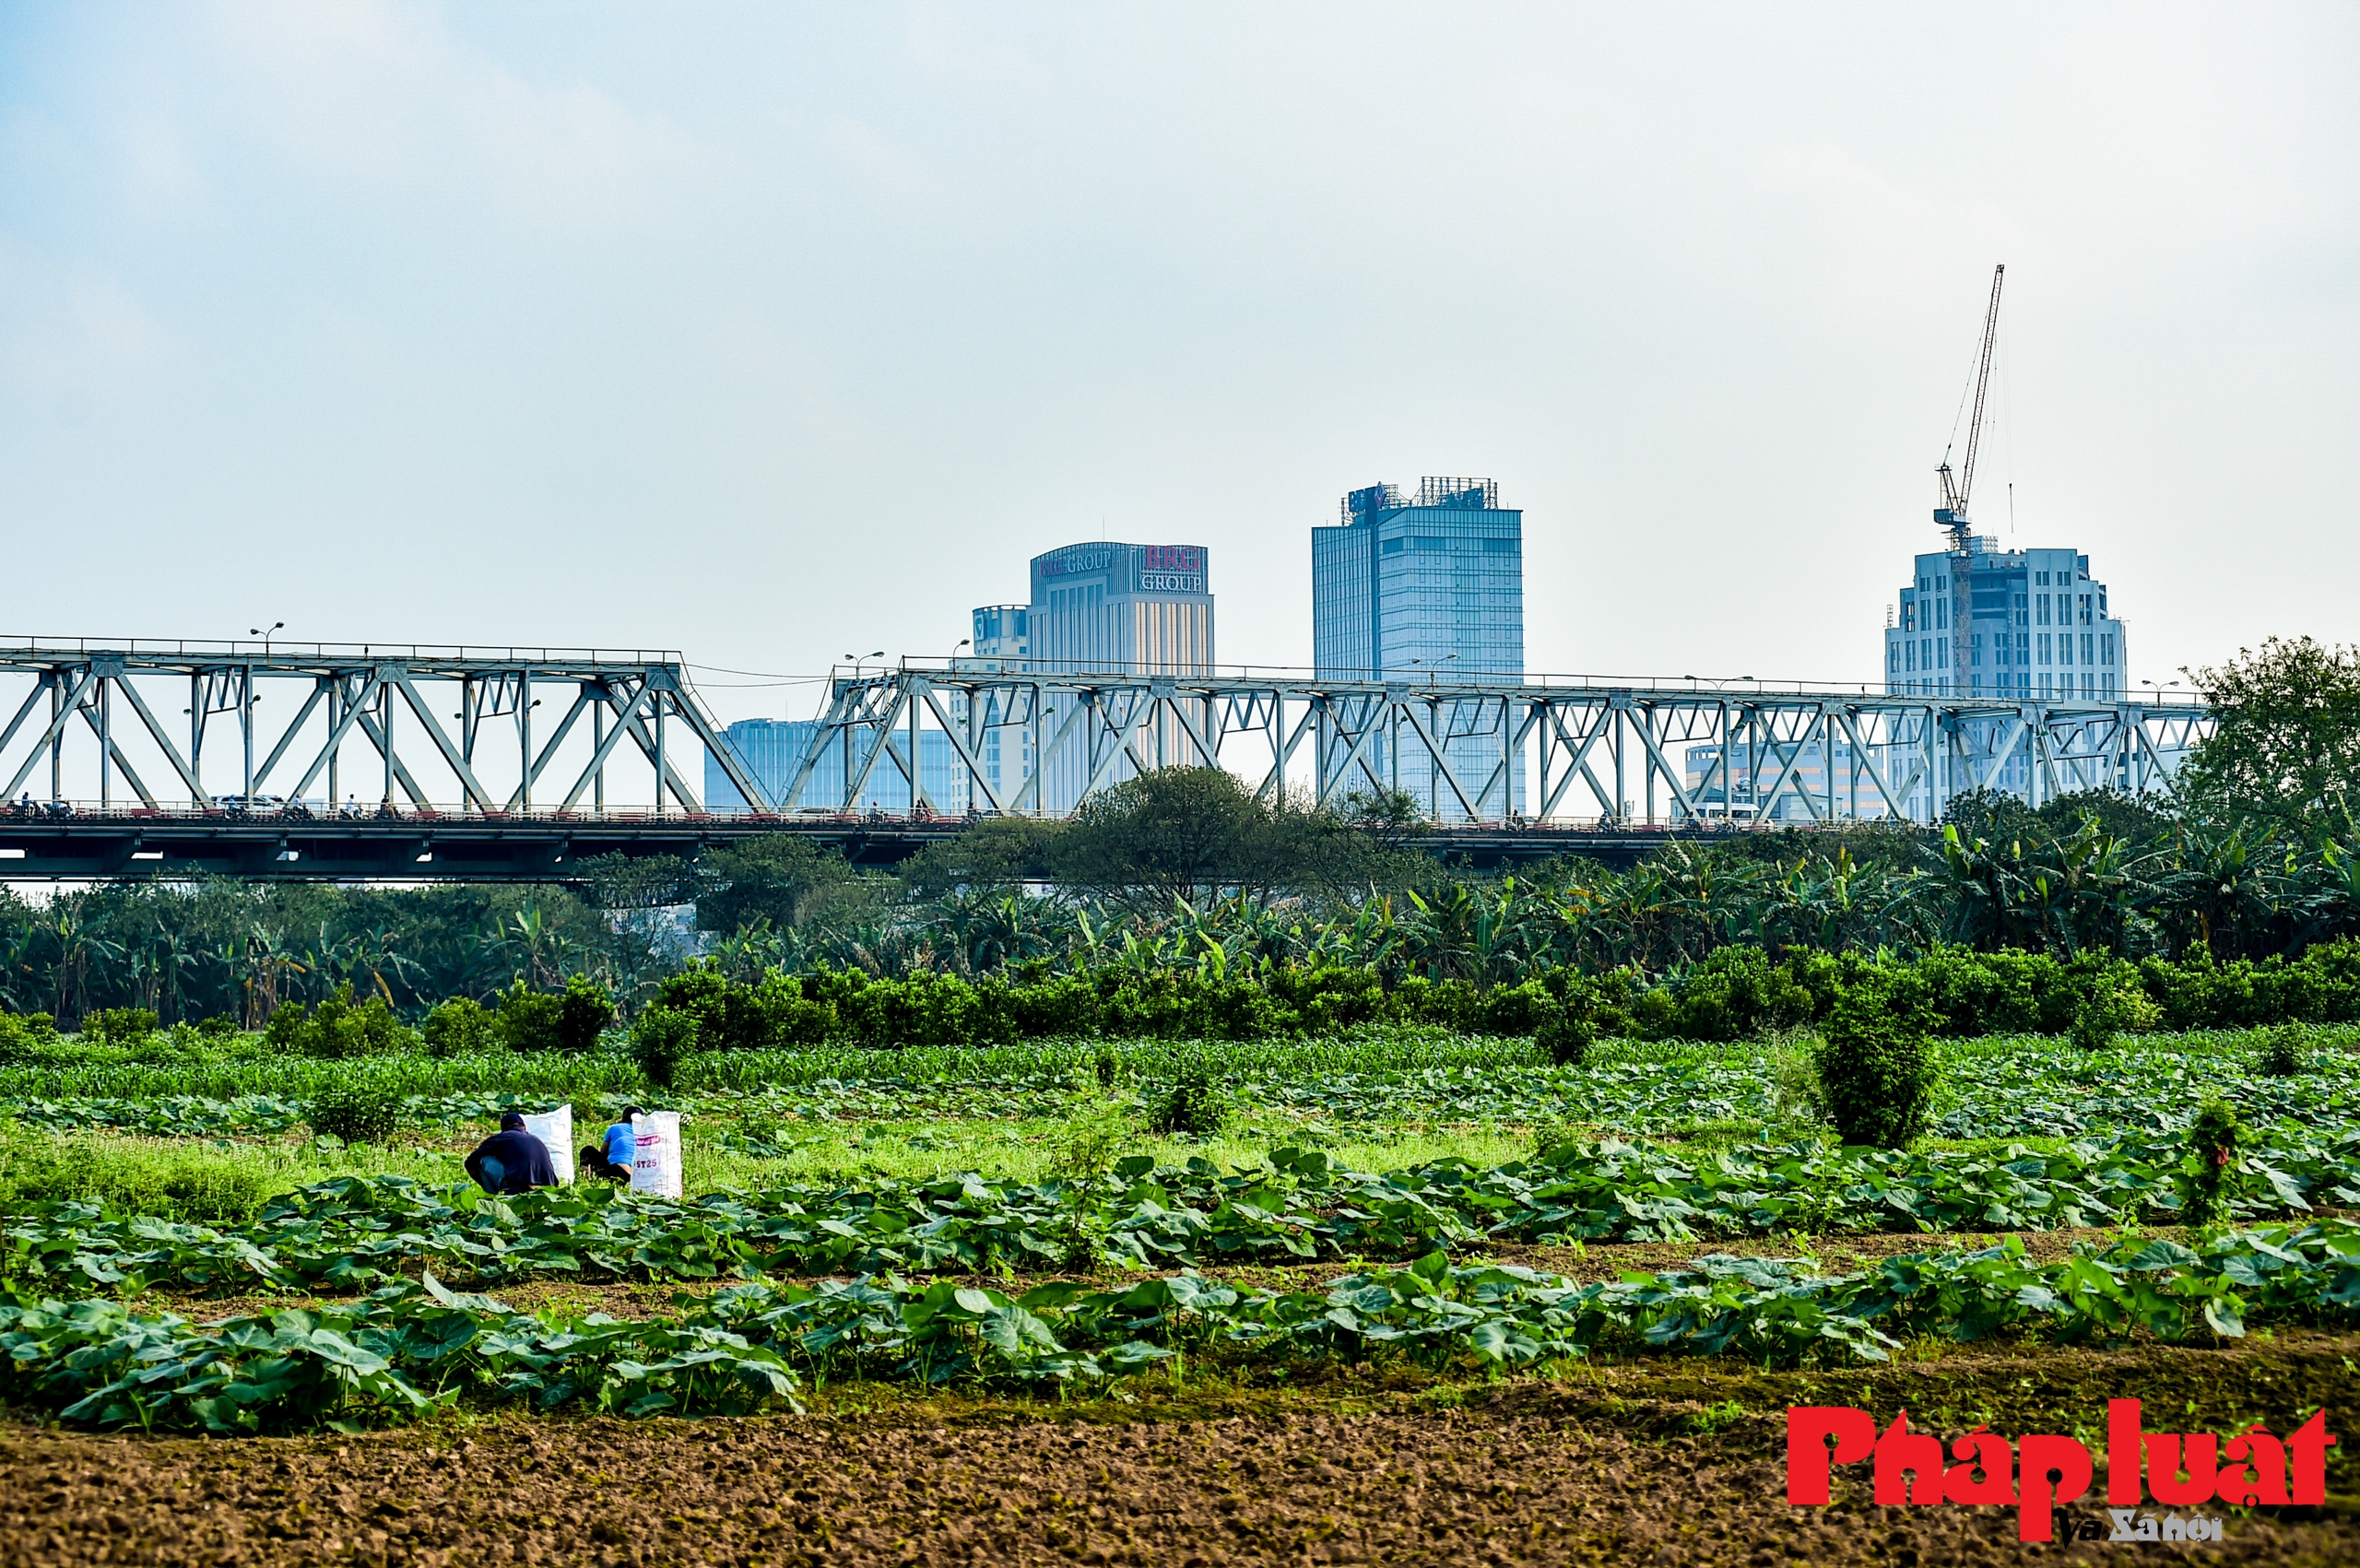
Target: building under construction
2037 624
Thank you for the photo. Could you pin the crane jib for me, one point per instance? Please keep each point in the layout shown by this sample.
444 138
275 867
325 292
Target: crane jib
1951 513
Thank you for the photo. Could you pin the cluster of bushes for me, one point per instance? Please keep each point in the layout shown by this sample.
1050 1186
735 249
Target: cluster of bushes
1744 993
697 1009
127 1033
1736 992
522 1020
21 1033
339 1028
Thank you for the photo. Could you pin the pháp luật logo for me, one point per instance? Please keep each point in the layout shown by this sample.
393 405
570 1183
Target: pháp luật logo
2040 1470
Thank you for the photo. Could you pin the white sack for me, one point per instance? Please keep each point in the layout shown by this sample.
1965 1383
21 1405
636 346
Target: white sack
657 1167
555 1128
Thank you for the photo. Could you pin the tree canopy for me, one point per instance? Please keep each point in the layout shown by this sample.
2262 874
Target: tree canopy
1197 833
777 878
2287 748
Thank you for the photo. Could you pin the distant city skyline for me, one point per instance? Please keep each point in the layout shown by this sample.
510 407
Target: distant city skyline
770 334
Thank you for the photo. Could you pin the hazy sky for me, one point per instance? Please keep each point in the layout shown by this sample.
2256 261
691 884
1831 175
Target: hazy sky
775 333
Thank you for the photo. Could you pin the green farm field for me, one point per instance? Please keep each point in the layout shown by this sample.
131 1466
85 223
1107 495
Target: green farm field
1470 1279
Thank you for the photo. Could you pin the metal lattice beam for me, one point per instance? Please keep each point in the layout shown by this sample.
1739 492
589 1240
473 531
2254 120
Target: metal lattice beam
1474 753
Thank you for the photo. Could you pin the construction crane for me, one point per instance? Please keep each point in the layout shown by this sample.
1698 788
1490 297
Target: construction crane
1951 513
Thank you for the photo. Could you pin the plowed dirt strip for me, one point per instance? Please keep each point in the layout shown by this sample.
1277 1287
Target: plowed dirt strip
1534 1478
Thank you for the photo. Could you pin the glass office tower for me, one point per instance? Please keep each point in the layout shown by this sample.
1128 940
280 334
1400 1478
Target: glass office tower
1426 590
773 749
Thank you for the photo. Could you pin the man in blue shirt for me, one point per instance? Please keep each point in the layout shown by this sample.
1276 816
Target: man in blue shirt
614 1158
511 1161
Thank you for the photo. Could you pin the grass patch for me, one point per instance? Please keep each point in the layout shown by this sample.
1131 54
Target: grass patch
208 1184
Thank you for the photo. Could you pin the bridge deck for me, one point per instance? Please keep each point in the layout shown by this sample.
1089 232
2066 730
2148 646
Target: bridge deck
427 846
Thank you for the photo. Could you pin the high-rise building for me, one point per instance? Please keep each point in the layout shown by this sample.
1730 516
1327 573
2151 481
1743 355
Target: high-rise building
774 750
1134 609
2006 623
1400 588
2027 625
1002 632
1002 644
1125 610
1431 590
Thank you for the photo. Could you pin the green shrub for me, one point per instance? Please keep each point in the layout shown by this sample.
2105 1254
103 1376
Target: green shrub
1655 1014
1590 1007
1160 1004
458 1027
337 1029
2282 1051
118 1026
1997 992
774 1014
1193 1102
1566 1035
2210 1175
1063 1009
583 1014
1332 997
1514 1009
1877 1072
528 1020
1240 1009
661 1039
1447 1004
700 991
282 1034
2112 1007
1736 992
340 1030
770 1016
2094 1023
924 1008
218 1027
15 1041
356 1110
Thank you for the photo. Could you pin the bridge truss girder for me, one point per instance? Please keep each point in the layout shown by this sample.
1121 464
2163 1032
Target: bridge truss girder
1490 752
386 705
411 719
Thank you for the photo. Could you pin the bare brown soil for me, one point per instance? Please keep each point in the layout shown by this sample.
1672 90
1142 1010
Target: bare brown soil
1659 1461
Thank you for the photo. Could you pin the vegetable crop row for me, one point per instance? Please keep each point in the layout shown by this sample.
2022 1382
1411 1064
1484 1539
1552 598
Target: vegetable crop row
410 1346
355 1232
2026 1087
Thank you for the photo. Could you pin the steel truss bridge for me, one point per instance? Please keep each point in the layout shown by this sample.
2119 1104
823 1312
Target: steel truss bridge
409 763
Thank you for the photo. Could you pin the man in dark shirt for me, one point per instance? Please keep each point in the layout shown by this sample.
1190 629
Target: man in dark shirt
511 1160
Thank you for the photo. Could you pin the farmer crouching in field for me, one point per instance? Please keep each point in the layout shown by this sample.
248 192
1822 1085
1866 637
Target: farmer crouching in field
511 1160
612 1161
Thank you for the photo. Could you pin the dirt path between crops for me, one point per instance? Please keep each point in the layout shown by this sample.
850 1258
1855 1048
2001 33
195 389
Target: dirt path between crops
1593 1469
